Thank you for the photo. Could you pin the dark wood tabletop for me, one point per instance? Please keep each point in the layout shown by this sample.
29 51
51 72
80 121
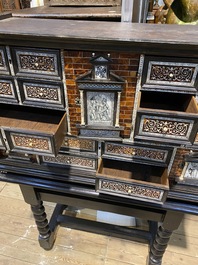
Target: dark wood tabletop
108 35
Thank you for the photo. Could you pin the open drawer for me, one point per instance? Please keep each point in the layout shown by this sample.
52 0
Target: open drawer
131 180
172 117
31 131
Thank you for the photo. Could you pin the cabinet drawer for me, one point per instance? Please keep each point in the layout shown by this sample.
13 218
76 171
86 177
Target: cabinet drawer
133 152
165 72
135 181
169 129
37 62
72 160
4 68
7 90
29 131
172 116
42 94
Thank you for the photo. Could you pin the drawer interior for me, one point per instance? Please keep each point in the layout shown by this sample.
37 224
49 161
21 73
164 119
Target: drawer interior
169 101
132 171
18 117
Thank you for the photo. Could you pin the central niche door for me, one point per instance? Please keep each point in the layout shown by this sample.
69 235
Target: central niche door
100 92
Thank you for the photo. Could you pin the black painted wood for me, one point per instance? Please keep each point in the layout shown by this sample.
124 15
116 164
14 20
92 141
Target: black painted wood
157 238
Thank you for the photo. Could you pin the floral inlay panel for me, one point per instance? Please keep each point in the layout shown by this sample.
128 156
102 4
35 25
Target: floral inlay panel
80 144
71 161
42 92
30 142
36 62
165 127
142 152
131 189
6 88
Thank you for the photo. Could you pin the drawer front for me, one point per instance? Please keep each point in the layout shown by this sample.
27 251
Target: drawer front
7 90
167 72
135 152
37 62
133 191
28 143
42 94
172 129
4 69
81 145
76 161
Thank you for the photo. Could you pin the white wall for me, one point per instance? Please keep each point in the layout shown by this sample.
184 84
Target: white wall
35 3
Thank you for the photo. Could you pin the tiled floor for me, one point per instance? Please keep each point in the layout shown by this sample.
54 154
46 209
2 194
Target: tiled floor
19 245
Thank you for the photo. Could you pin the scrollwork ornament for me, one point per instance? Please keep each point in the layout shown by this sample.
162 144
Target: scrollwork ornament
31 142
37 63
129 151
165 127
79 144
172 73
40 92
71 160
131 189
5 89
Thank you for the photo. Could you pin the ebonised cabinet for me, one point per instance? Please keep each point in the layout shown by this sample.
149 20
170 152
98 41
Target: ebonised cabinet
100 115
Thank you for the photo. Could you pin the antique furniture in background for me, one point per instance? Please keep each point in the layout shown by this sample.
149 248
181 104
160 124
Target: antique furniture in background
10 5
101 115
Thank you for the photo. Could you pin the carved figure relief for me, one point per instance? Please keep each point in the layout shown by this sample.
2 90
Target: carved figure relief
100 107
191 171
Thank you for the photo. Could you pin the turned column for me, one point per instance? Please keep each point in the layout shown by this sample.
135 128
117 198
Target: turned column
46 233
171 222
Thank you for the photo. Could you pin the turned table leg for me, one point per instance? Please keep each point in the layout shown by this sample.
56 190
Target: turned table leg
171 222
159 246
46 236
47 230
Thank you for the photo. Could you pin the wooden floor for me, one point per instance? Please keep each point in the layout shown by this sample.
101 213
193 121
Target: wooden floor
19 245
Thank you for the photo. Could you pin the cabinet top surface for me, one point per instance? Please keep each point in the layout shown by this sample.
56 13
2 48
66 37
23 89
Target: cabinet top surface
105 33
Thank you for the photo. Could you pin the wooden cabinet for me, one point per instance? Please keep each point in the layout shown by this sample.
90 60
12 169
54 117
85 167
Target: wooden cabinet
153 111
